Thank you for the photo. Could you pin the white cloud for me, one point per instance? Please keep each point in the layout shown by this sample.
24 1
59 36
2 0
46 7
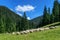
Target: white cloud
28 18
24 8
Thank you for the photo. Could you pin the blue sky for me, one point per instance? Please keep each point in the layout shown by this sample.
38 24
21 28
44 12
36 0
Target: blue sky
38 6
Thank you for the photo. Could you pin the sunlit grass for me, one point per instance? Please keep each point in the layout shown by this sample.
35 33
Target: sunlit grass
52 24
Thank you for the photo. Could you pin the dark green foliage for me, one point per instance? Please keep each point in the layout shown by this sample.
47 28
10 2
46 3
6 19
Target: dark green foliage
46 16
59 11
25 22
56 11
18 26
8 20
44 21
11 22
49 16
52 18
37 22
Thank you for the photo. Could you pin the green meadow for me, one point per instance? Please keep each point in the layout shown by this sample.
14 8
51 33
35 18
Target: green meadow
51 34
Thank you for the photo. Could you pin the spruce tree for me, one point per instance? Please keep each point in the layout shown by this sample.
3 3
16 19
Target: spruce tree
25 23
52 18
44 21
48 15
2 21
56 11
59 12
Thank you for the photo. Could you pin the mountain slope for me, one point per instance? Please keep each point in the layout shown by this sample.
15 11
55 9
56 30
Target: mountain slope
8 19
37 20
4 11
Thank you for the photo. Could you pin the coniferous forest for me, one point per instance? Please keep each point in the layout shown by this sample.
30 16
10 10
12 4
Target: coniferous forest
12 22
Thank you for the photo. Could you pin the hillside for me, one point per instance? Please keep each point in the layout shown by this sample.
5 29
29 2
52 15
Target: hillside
8 19
51 34
37 20
6 12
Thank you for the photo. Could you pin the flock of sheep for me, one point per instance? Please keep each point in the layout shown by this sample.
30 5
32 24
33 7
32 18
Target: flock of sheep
34 30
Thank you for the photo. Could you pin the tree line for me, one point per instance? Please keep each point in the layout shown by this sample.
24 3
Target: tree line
51 17
11 22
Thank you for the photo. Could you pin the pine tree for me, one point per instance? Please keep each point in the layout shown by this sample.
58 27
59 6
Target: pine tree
18 26
59 12
52 18
25 23
2 22
56 11
48 15
44 21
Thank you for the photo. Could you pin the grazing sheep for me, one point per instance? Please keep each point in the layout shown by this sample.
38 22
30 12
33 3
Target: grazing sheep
21 32
34 30
38 29
51 27
27 31
13 33
56 26
17 33
24 32
41 29
46 28
31 31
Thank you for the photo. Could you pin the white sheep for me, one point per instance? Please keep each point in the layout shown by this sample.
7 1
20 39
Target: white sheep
31 31
21 32
46 28
24 32
27 31
51 27
34 30
41 29
17 33
13 33
38 29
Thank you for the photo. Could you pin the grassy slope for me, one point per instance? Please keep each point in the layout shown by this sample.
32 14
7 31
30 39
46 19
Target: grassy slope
53 34
52 24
